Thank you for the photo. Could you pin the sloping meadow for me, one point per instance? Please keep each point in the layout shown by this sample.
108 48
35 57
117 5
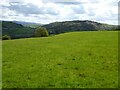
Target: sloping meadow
69 60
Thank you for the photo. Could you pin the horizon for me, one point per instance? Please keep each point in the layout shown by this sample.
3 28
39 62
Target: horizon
45 12
53 22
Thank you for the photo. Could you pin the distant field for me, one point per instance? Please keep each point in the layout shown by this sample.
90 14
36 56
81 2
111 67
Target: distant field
70 60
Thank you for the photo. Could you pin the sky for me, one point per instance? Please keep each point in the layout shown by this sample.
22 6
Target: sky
48 11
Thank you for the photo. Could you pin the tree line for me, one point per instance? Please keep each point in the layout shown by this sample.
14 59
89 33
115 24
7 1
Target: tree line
39 32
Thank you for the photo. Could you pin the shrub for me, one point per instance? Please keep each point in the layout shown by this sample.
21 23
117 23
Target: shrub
6 37
41 32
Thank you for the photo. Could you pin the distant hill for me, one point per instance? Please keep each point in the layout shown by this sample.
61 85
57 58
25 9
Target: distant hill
16 30
69 26
28 24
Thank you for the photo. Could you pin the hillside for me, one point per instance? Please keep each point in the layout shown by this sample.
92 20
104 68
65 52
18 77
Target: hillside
16 30
24 30
28 24
69 60
69 26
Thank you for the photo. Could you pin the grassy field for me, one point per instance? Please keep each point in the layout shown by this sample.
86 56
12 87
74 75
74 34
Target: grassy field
0 64
71 60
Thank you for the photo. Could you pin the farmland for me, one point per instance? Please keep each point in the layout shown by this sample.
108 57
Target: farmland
70 60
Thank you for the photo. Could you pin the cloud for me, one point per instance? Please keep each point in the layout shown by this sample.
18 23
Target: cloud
46 11
79 9
30 9
68 3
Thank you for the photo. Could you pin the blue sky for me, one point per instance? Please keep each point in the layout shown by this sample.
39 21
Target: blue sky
47 11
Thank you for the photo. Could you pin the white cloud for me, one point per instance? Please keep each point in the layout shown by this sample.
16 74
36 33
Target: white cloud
46 11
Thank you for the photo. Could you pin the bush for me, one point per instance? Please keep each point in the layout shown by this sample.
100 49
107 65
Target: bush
6 37
41 32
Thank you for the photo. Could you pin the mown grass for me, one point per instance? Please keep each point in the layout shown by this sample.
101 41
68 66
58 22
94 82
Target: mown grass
70 60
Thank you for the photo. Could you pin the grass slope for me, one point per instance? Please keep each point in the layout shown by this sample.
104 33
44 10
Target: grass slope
71 60
0 65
